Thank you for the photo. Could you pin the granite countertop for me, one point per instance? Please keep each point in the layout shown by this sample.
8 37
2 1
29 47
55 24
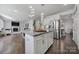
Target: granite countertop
33 33
40 33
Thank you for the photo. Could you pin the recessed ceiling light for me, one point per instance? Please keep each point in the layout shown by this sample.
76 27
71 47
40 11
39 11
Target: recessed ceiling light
42 13
30 7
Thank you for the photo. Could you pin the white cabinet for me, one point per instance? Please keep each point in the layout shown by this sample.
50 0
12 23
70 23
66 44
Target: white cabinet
38 44
45 47
29 44
49 37
43 42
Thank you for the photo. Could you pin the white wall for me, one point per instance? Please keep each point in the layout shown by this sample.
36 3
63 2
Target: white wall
22 26
68 22
76 27
68 27
1 24
7 25
49 19
67 19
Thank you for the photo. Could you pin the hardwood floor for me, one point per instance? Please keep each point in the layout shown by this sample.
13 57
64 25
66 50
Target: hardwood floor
19 44
63 46
12 44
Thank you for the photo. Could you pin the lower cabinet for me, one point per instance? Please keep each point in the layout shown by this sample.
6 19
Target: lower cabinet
38 44
43 42
45 47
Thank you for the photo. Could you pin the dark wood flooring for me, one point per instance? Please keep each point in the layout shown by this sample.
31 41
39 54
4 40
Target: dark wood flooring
63 46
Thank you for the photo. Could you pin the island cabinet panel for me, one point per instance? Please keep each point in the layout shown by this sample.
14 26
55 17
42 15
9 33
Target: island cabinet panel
43 42
39 46
39 43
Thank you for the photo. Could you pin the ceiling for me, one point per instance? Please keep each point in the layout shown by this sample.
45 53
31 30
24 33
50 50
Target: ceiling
20 12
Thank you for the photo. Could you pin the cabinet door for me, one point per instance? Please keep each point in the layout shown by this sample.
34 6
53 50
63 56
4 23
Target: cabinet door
50 39
39 46
45 45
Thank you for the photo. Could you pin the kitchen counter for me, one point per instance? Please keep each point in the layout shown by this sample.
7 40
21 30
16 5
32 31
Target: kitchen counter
38 39
40 33
33 33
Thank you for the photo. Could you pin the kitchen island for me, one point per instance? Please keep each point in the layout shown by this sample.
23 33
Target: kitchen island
38 42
